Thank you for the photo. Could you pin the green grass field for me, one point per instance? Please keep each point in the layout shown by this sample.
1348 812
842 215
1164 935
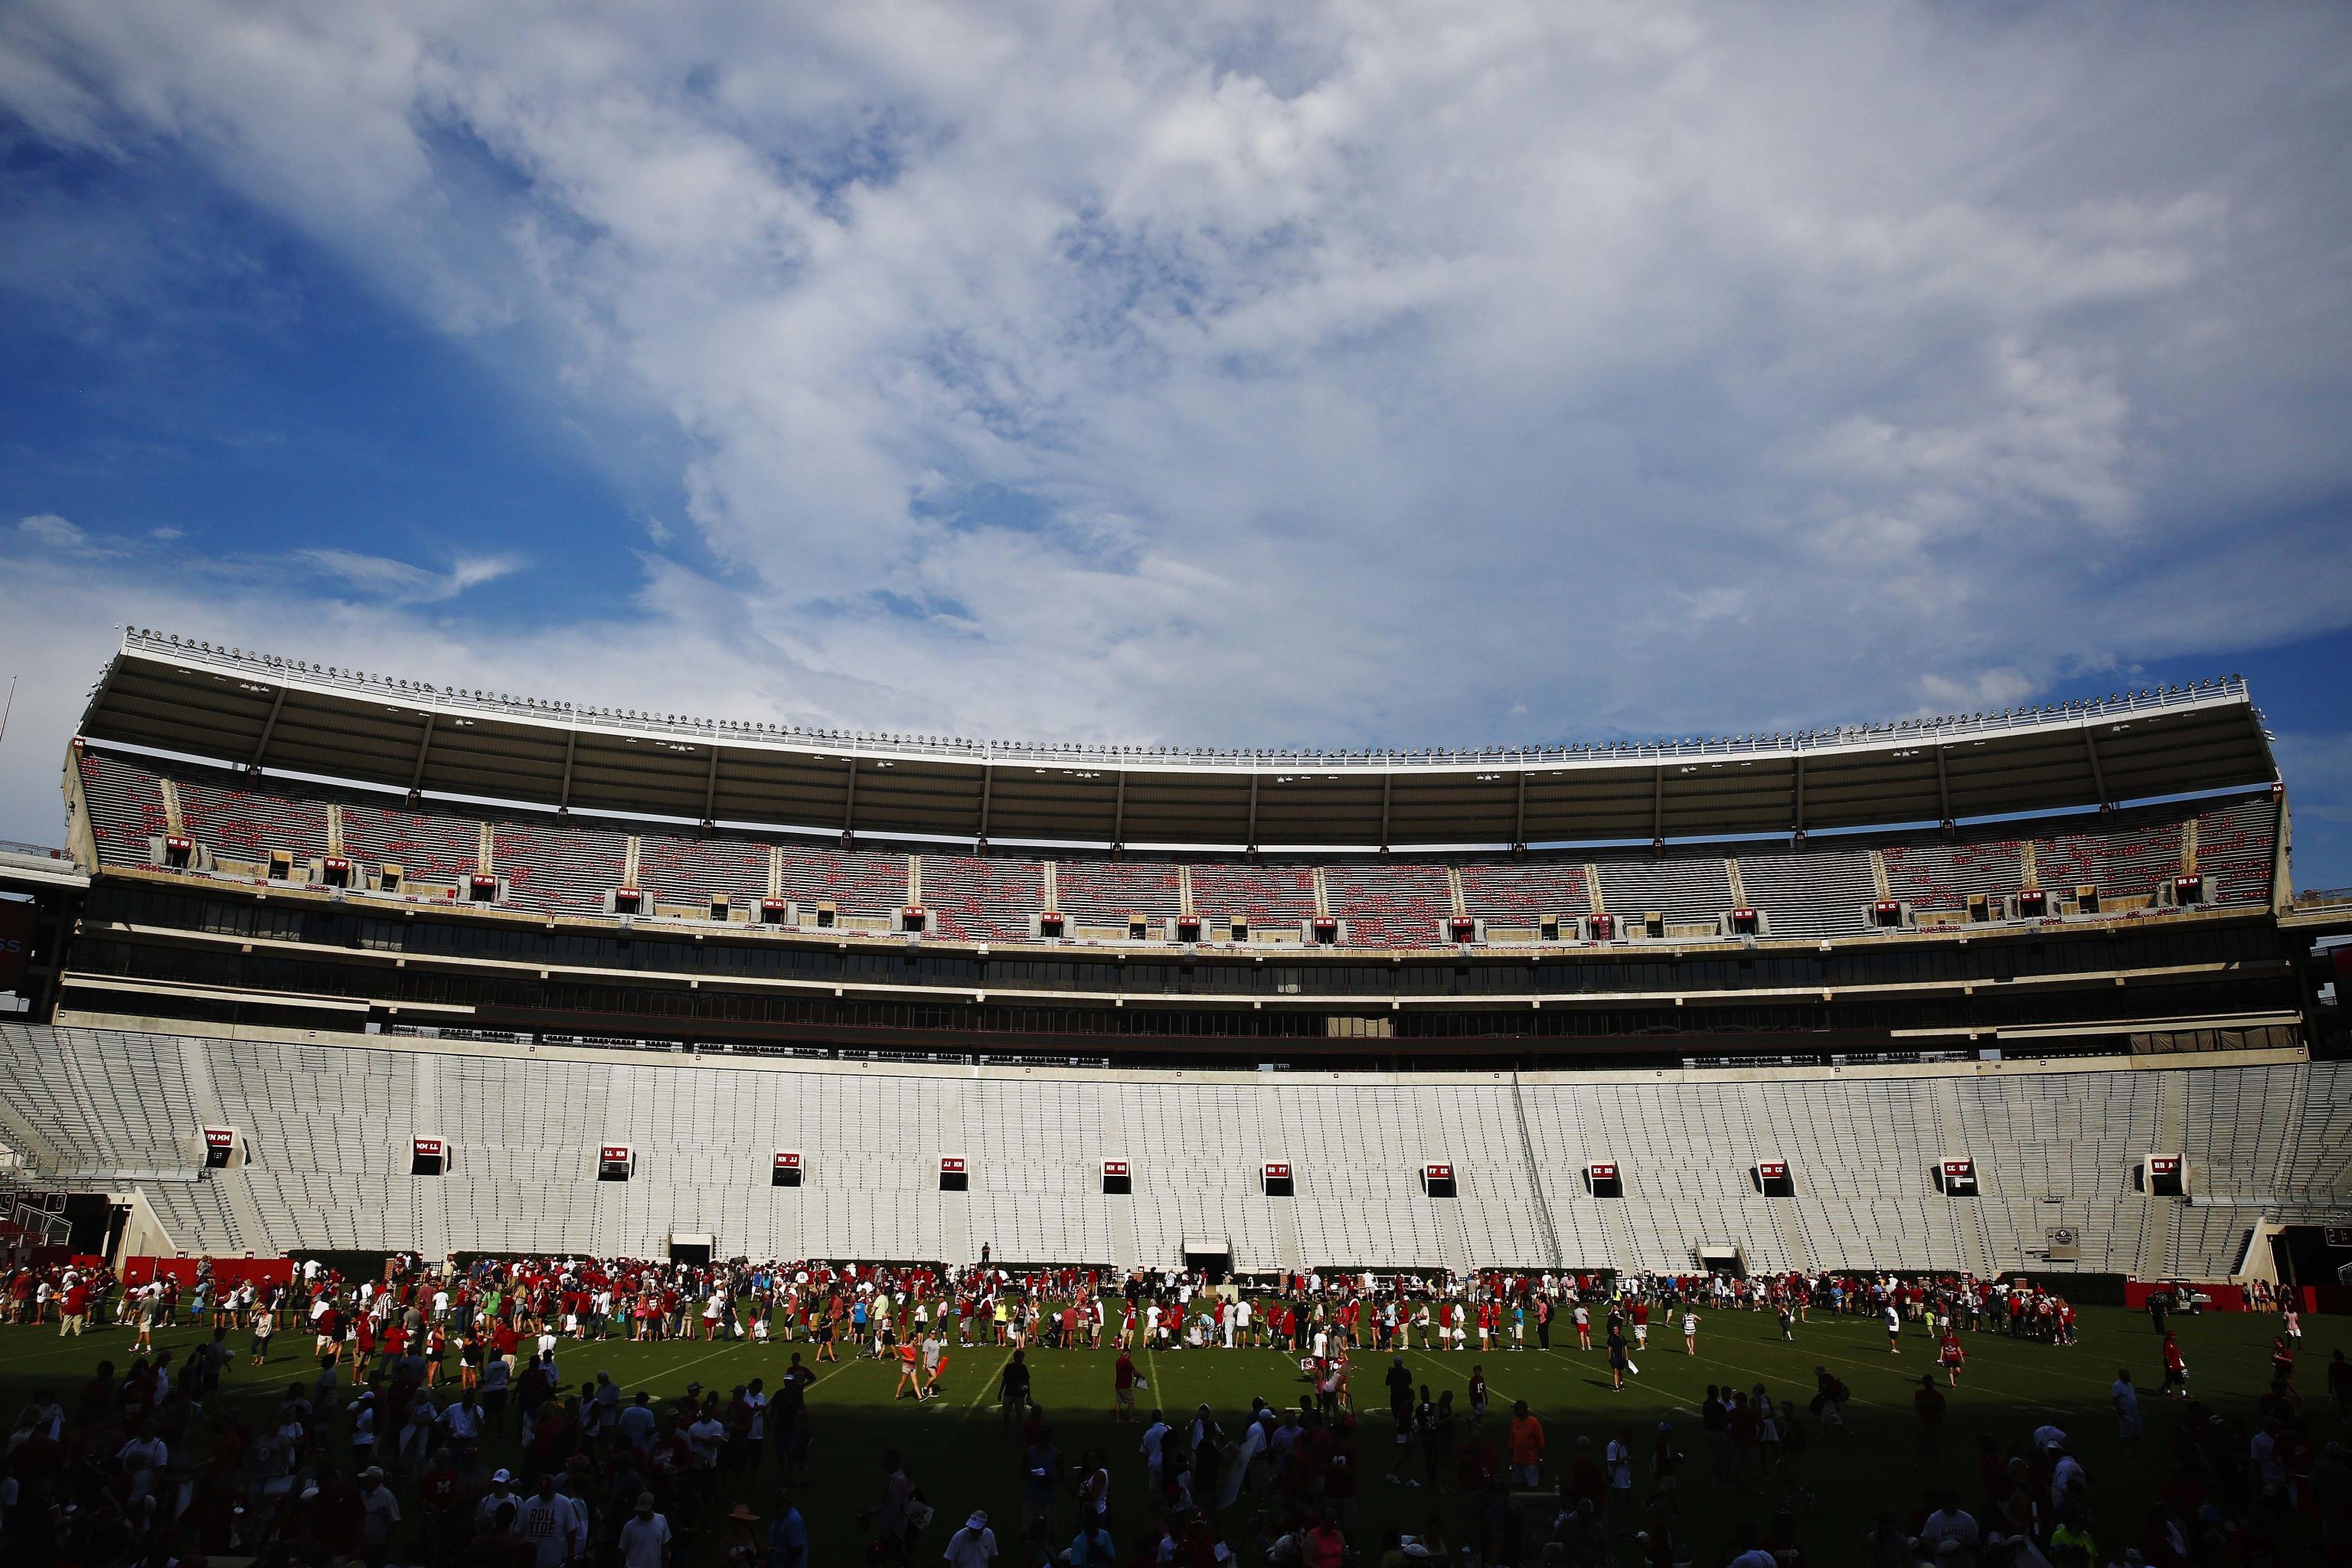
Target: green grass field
957 1455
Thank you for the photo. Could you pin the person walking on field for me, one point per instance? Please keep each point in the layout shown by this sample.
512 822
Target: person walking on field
1526 1448
1122 1388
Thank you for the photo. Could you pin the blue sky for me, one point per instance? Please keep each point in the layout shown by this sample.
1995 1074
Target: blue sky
1560 373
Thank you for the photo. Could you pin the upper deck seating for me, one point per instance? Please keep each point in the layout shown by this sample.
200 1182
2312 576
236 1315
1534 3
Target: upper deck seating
1684 886
1521 893
2237 849
558 867
976 900
1822 890
558 870
1104 892
428 846
126 807
1278 892
250 823
1930 873
1395 903
856 881
678 869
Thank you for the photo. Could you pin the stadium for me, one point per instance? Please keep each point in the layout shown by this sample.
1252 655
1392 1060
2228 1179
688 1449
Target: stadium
2020 998
2070 1024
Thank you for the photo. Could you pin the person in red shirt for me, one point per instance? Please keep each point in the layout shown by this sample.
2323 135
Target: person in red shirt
1122 1387
1928 1405
1326 1545
1340 1463
2176 1367
1526 1446
439 1493
1953 1356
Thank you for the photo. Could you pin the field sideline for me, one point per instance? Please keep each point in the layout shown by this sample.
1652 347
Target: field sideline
956 1455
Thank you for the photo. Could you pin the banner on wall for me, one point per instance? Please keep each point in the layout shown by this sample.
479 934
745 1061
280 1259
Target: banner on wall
15 943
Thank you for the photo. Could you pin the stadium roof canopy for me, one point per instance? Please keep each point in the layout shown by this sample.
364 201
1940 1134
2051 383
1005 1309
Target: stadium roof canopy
253 710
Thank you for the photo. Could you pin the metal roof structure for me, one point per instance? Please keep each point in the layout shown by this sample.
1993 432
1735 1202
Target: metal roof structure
267 713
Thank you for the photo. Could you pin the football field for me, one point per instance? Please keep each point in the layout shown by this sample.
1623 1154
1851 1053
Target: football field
961 1459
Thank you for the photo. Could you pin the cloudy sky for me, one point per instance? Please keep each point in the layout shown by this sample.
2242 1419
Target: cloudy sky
1346 375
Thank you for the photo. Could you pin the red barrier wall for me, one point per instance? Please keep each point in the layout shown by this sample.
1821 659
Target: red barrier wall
226 1271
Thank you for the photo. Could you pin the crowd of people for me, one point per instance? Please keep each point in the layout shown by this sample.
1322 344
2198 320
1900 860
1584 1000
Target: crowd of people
424 1417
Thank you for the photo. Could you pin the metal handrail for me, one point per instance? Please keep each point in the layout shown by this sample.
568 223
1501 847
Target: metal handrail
426 696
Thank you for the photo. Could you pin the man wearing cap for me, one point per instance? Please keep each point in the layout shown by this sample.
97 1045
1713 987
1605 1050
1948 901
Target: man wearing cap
486 1512
973 1546
379 1513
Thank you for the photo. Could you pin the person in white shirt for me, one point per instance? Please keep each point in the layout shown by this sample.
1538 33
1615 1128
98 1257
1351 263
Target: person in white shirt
1154 1436
707 1436
973 1546
552 1525
141 1458
2125 1399
379 1514
1950 1521
645 1537
500 1495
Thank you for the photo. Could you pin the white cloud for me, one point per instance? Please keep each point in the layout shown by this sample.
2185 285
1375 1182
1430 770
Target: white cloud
398 581
61 537
1336 373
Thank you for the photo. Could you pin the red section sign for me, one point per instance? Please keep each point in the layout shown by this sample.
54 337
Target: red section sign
1959 1169
1278 1170
428 1148
219 1138
1773 1169
787 1160
1441 1173
950 1165
15 943
1114 1167
1603 1170
614 1151
2164 1165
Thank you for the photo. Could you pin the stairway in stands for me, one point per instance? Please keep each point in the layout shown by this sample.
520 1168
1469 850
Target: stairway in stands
1559 1257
